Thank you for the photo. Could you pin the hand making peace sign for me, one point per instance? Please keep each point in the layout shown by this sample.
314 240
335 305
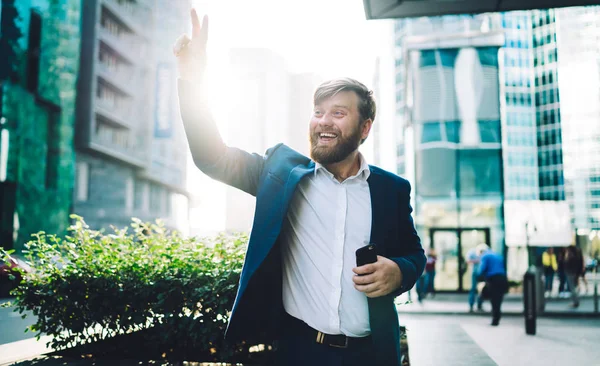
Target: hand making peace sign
191 53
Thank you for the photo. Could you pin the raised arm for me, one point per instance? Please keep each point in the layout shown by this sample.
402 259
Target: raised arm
230 165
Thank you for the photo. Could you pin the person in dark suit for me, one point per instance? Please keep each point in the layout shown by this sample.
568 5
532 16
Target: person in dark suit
300 284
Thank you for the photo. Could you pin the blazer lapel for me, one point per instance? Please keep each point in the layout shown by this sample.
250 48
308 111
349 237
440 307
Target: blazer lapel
376 188
296 175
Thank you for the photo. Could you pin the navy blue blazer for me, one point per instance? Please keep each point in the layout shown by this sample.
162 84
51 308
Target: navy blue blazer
273 179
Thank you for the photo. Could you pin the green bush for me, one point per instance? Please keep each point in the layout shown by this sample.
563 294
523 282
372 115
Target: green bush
141 292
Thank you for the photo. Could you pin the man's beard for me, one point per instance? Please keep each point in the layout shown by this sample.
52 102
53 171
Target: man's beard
326 155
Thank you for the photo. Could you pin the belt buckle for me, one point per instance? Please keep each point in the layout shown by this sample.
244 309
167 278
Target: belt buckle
320 337
338 346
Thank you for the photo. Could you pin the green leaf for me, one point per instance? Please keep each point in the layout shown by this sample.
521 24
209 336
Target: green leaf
126 280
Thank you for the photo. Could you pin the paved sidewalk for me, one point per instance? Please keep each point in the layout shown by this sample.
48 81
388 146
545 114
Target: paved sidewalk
23 349
464 340
512 305
436 338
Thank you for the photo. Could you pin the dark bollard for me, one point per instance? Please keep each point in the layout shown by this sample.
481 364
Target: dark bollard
529 301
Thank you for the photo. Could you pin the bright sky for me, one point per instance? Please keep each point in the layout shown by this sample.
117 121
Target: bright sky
330 38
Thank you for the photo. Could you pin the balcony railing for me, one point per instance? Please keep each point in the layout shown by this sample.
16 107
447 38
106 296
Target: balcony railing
135 16
120 144
117 111
123 77
129 46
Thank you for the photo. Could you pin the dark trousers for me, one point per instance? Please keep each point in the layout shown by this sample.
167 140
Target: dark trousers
498 285
430 282
295 349
562 285
421 288
549 276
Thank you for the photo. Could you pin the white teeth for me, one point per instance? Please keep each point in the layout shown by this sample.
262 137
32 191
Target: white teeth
328 135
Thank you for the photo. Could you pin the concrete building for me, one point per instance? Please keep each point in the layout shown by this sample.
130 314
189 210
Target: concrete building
39 44
131 151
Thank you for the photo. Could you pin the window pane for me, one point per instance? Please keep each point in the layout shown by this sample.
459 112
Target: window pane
436 172
479 172
431 132
489 131
453 131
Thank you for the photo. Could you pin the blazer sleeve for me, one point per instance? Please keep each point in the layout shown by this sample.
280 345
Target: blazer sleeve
229 165
412 261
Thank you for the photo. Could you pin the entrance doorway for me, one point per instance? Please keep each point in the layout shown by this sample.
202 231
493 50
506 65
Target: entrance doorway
451 246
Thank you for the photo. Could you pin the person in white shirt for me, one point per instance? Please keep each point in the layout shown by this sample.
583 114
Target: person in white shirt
300 285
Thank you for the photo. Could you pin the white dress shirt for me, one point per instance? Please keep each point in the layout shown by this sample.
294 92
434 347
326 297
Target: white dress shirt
327 222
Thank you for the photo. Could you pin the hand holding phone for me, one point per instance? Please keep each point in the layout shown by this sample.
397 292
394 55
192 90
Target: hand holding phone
366 255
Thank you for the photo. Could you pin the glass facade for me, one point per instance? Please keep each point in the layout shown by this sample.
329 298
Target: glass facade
458 160
549 90
519 118
547 104
579 79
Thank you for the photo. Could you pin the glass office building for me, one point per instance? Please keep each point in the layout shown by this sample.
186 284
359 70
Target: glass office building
579 80
451 144
547 104
458 162
545 129
517 108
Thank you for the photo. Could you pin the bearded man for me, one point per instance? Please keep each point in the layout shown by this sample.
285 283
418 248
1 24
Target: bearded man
300 285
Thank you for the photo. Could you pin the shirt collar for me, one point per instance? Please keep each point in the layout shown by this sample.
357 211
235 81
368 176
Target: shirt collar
363 172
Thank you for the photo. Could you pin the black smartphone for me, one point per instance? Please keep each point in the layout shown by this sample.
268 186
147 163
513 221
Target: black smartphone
366 255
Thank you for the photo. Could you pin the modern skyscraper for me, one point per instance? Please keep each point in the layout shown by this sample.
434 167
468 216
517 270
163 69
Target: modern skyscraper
549 101
131 151
578 74
517 92
547 104
452 142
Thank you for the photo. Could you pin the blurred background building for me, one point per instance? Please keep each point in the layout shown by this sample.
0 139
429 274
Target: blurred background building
131 147
492 117
39 48
493 114
578 73
88 115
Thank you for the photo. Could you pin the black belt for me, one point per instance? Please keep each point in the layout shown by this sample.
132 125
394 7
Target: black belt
333 340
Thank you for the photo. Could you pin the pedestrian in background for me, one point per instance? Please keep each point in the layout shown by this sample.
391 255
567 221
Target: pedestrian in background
573 270
491 270
421 290
563 286
550 267
430 272
473 259
587 265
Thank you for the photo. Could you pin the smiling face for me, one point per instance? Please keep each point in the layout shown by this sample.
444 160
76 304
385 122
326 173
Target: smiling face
336 128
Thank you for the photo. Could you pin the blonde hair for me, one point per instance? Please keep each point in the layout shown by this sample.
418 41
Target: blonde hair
481 248
366 102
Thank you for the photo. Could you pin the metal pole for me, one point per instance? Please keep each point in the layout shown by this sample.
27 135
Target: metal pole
596 288
529 302
527 244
